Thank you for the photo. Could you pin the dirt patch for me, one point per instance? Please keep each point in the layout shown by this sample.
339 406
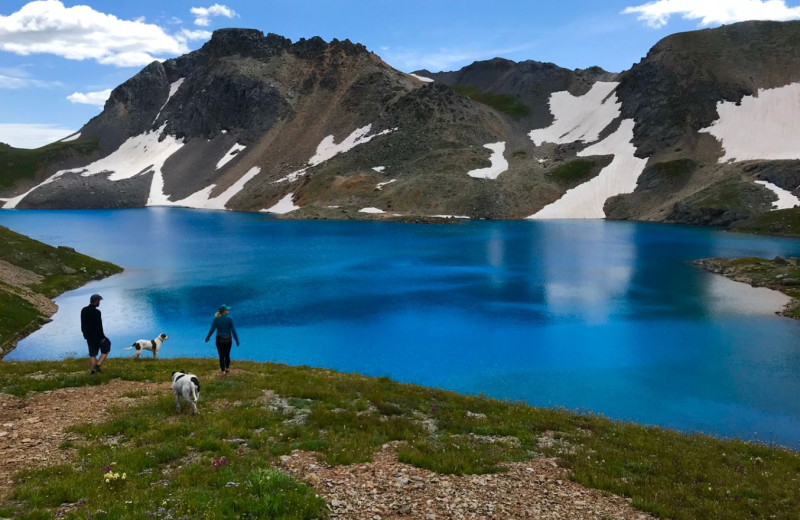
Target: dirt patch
32 428
18 280
388 489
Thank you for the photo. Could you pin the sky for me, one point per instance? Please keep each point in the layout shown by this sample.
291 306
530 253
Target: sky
59 59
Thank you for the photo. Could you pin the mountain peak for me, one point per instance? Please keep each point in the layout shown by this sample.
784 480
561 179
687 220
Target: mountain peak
244 42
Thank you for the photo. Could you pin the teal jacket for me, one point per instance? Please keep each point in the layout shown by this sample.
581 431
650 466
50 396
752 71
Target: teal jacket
224 327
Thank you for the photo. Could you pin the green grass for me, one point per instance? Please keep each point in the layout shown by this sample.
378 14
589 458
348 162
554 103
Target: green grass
777 222
17 317
20 163
61 269
169 459
505 104
573 172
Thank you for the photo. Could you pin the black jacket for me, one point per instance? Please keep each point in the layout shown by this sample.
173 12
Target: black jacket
92 323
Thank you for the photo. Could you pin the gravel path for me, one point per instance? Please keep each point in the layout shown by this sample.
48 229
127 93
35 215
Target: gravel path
388 489
32 428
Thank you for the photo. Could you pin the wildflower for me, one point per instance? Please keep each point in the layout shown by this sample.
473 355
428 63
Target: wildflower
222 461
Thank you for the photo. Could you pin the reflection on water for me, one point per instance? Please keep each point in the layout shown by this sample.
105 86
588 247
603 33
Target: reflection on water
604 316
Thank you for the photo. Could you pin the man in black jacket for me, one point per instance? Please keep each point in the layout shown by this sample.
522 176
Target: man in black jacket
92 328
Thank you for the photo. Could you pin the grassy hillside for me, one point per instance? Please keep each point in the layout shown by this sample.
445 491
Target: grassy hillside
506 104
21 163
784 222
37 270
222 463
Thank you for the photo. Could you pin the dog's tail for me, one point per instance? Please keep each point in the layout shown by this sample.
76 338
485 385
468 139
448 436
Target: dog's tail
132 346
195 389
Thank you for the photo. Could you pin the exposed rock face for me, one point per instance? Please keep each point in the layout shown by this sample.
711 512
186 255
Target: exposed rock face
674 90
249 120
530 82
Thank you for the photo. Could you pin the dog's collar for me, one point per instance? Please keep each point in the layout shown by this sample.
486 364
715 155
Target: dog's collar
180 376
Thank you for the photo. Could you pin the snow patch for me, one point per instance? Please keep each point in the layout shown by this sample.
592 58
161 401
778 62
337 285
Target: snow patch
292 176
580 118
13 201
379 169
173 88
380 185
327 149
587 199
203 200
140 154
233 152
422 78
785 198
371 210
285 205
499 163
71 137
765 126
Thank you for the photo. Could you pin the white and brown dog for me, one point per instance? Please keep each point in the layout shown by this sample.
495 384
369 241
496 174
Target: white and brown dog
153 345
188 386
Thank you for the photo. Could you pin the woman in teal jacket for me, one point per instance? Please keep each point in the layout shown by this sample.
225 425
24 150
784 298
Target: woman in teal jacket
223 324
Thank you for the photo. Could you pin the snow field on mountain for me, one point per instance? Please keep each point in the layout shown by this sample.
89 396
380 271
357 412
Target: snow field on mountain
283 206
587 200
12 202
765 126
71 137
139 154
785 198
499 163
422 78
203 200
173 88
233 152
580 118
328 148
380 185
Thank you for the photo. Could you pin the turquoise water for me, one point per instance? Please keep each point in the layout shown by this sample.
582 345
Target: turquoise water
601 316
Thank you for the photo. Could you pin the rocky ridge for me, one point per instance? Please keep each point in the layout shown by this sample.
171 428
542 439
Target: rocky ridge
315 129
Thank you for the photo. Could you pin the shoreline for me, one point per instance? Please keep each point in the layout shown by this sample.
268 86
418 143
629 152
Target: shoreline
32 274
779 274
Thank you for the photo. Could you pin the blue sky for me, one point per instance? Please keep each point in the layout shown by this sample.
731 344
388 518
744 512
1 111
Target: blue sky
59 58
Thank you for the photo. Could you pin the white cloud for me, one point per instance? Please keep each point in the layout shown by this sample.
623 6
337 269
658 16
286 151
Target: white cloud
21 135
188 35
97 99
713 12
203 14
81 33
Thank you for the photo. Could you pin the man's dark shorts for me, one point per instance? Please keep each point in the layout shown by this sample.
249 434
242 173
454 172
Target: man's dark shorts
102 346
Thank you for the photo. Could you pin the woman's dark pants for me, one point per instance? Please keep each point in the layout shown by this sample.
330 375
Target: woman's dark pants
224 351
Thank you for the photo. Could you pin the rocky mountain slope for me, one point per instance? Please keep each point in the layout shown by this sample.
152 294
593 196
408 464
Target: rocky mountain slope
702 130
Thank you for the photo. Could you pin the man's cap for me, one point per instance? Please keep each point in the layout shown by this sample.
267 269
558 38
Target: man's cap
224 308
95 298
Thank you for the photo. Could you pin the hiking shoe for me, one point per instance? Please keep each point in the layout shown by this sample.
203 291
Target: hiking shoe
97 369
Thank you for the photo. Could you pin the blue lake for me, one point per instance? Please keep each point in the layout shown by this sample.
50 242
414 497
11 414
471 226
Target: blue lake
591 315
